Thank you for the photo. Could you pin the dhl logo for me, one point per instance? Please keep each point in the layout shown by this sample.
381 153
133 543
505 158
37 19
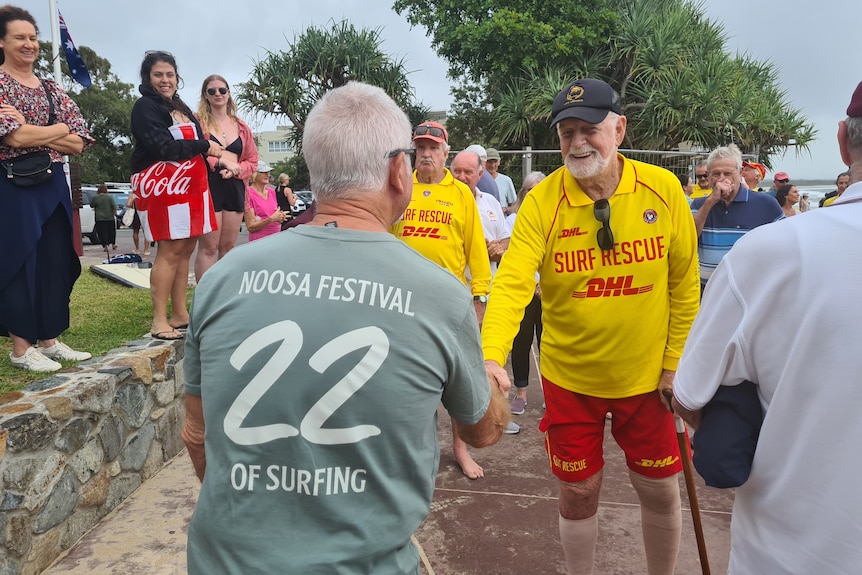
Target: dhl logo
571 232
666 462
422 232
611 287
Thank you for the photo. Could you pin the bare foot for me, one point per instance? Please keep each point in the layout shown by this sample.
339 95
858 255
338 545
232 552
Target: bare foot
469 467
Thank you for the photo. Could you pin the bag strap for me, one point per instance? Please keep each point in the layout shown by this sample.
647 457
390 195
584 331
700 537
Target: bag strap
52 118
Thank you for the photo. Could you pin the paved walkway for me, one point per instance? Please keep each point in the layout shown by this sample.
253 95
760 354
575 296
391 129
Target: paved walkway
505 523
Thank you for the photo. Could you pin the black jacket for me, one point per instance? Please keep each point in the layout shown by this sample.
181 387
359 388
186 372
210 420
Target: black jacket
151 118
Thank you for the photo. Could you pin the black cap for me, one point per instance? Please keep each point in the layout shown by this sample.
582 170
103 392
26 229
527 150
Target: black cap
589 100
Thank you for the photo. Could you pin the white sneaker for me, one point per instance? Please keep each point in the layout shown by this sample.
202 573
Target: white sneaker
512 428
33 360
63 352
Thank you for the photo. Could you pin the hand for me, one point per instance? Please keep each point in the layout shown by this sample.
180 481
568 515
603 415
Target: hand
497 376
278 216
665 388
12 112
215 149
724 189
495 250
690 417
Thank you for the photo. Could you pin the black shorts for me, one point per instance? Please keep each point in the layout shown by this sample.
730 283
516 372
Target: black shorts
228 195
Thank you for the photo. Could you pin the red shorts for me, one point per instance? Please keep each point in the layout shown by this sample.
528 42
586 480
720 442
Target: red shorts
574 427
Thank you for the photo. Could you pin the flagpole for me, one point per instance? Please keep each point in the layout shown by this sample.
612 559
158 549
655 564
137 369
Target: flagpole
55 41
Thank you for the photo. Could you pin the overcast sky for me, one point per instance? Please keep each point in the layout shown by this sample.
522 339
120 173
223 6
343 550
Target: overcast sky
811 44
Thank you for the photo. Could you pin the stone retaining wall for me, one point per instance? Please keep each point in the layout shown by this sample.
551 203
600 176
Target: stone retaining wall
75 445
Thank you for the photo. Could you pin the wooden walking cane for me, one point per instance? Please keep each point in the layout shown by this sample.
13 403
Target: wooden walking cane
690 488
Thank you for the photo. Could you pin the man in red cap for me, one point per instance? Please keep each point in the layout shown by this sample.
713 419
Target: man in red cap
442 223
778 180
798 512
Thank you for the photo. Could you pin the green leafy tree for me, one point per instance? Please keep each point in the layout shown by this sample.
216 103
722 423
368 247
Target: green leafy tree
107 108
289 83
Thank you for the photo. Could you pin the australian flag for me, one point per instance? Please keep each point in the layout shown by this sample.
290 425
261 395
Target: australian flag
76 65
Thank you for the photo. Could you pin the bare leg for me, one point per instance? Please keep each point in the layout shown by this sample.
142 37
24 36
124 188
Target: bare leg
179 311
162 278
229 225
136 239
207 249
579 528
20 345
462 457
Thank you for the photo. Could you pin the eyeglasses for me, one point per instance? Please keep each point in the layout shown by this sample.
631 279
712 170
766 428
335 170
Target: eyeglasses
410 152
701 176
212 91
783 181
602 213
432 131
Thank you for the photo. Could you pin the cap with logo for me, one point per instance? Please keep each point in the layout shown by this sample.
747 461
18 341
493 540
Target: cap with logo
588 99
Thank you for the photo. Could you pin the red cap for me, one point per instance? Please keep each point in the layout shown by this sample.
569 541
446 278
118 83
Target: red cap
781 176
759 167
854 110
431 131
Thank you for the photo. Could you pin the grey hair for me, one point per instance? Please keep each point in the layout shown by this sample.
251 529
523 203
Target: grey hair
728 152
854 132
347 137
532 179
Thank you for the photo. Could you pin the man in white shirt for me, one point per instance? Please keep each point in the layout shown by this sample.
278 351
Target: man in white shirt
505 186
798 512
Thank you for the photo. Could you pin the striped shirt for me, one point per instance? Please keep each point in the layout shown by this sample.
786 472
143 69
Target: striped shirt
727 223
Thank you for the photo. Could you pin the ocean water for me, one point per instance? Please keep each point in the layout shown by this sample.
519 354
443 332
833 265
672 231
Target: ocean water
815 193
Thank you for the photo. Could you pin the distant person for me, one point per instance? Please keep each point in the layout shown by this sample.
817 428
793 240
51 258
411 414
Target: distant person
798 512
263 217
752 174
505 186
729 211
531 324
841 184
778 180
228 173
701 184
311 409
136 227
105 211
786 196
615 245
486 182
285 197
39 266
170 156
442 223
687 185
804 203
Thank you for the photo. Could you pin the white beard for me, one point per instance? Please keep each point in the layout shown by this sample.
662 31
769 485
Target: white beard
586 167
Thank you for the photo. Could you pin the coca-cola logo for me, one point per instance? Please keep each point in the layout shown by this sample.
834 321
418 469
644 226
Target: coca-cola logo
171 178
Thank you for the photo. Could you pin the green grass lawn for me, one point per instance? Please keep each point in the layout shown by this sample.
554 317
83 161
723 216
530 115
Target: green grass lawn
105 314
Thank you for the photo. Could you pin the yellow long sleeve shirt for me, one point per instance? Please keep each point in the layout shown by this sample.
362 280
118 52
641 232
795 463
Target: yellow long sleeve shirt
612 319
442 223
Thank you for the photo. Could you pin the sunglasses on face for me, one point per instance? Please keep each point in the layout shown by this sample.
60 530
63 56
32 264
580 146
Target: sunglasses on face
700 176
410 152
605 236
430 131
212 91
782 181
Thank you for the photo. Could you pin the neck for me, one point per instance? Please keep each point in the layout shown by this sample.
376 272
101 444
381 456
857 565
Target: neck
603 186
351 214
18 71
259 187
219 114
430 178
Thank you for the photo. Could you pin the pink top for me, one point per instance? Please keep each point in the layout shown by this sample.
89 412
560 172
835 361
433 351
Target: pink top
263 208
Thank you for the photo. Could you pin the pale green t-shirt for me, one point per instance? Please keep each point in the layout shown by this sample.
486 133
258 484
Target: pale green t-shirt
320 355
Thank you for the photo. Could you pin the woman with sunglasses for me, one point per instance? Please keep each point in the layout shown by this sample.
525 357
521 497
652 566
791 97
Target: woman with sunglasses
169 181
229 173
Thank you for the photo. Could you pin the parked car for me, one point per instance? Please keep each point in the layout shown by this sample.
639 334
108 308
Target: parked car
303 202
120 192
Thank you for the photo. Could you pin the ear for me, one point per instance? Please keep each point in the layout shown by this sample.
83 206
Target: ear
399 180
621 129
843 145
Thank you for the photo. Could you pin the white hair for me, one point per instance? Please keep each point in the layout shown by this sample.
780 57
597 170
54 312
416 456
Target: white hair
854 132
347 138
728 152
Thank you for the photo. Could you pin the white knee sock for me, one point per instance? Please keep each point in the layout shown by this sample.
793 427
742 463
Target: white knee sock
661 521
578 537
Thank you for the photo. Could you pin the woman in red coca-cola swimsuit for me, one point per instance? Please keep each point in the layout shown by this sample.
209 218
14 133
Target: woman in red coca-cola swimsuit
169 182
